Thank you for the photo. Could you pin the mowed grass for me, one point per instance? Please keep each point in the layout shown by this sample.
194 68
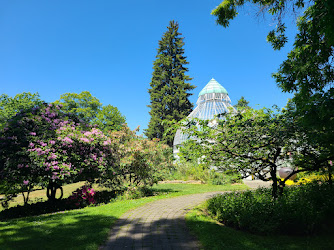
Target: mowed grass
85 228
213 235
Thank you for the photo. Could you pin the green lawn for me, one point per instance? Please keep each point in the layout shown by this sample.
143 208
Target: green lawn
217 236
84 228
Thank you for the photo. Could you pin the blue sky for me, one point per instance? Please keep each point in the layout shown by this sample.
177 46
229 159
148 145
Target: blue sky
108 48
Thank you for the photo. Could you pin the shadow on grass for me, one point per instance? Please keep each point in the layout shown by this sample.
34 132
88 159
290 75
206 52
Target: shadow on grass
161 191
218 236
75 230
44 207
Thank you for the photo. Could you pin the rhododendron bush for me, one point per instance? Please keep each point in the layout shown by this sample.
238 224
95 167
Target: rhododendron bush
45 147
143 162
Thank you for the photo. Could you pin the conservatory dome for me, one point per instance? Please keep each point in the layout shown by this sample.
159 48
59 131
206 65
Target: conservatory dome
212 101
213 87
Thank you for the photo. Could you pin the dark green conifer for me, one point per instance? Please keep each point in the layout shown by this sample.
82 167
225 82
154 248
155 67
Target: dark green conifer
169 86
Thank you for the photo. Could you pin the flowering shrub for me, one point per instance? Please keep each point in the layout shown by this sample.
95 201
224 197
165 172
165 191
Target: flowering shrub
143 162
82 197
308 179
44 146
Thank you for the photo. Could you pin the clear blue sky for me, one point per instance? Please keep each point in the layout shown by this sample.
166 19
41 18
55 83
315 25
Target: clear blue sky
108 48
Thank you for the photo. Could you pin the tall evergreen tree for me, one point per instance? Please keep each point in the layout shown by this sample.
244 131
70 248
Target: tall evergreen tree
169 86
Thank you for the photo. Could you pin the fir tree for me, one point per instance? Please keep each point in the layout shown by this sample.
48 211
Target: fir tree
169 86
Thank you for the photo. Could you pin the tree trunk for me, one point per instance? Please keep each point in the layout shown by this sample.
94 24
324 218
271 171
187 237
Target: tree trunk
330 181
274 178
52 190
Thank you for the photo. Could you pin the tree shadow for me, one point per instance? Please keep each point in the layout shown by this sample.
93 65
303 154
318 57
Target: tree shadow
161 191
72 230
45 207
167 233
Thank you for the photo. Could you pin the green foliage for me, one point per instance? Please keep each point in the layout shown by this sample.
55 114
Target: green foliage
242 103
307 209
109 118
9 106
84 105
308 71
89 109
213 235
169 86
249 142
143 162
228 10
195 171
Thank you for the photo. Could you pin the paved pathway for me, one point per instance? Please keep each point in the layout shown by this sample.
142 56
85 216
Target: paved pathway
253 184
160 224
157 225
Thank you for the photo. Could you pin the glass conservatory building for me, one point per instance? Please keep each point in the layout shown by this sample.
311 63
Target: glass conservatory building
212 100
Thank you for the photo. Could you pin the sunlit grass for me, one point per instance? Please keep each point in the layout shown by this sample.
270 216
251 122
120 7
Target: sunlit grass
85 228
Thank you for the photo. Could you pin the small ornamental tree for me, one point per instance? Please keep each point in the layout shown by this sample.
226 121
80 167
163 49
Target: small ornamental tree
252 142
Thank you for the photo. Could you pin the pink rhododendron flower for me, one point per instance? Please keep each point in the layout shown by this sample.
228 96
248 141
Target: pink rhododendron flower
25 182
32 133
52 156
88 133
84 139
69 140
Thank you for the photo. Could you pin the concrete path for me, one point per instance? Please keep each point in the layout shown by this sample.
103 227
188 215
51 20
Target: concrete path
157 225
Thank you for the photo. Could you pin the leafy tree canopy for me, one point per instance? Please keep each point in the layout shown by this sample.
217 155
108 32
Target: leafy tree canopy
109 118
84 105
253 142
89 109
308 72
9 106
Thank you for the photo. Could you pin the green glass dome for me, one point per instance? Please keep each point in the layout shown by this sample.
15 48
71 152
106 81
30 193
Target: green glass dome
213 87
